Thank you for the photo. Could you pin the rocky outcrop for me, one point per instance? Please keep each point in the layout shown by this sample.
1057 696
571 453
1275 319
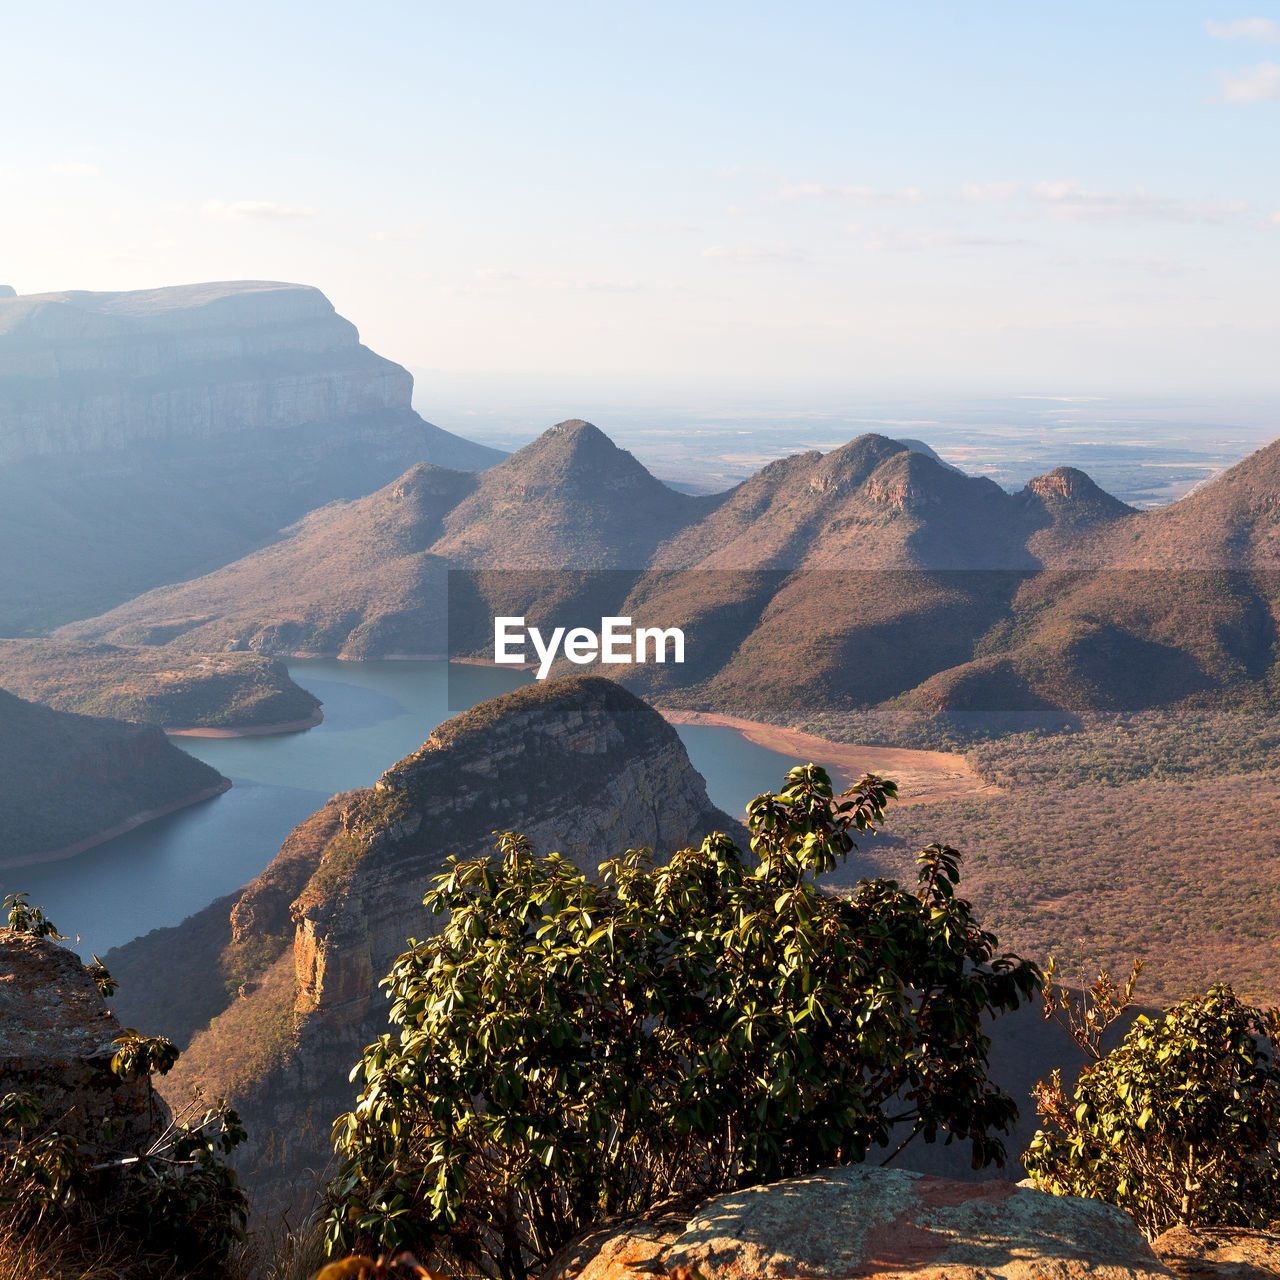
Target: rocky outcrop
577 765
1219 1253
580 766
882 1223
56 1036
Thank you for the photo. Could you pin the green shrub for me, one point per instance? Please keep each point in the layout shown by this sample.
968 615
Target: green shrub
574 1048
1179 1124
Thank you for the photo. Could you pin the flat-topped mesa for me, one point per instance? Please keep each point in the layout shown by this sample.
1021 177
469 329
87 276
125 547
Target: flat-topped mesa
578 765
82 372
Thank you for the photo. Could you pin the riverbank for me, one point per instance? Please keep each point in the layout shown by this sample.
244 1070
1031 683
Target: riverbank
923 777
253 730
120 828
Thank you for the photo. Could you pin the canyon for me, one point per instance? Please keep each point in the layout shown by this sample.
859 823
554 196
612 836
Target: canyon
274 991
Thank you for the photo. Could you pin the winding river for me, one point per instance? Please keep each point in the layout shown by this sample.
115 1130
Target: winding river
374 713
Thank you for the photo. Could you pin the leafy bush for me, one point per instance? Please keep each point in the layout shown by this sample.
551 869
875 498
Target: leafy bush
1179 1124
572 1049
24 918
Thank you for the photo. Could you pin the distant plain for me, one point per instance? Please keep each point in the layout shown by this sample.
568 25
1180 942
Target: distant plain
1145 452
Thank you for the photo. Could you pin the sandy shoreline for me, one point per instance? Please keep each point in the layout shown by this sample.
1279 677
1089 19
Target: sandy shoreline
253 730
136 820
922 776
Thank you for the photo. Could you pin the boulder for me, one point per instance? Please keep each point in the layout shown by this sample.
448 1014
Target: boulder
1219 1253
884 1223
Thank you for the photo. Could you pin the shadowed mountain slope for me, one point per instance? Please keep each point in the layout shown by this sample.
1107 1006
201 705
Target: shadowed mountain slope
352 578
69 781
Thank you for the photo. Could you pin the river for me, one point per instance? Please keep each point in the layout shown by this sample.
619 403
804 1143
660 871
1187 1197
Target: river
374 713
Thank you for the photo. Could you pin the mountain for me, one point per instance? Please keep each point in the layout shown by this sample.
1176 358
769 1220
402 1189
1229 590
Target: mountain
1158 606
153 435
68 782
368 578
825 581
1231 523
580 766
352 578
570 500
882 566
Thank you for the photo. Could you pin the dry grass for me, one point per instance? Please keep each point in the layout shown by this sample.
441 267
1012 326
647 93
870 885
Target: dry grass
91 1253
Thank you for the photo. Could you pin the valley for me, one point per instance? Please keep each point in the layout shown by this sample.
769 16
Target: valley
1079 693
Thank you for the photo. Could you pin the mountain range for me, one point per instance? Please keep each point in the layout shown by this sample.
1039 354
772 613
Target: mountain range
824 582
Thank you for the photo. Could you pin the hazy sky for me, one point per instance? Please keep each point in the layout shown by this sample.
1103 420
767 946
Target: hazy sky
1059 196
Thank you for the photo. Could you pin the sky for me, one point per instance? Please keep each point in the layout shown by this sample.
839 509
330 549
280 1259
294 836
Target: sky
1075 198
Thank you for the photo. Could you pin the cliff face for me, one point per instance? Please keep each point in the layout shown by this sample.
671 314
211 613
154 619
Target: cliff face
151 436
56 1038
579 765
88 371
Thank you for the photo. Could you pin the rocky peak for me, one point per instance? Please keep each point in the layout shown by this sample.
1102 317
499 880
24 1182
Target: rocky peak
909 481
849 466
1064 483
577 453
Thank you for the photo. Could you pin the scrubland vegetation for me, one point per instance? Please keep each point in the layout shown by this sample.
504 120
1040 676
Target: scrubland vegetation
154 686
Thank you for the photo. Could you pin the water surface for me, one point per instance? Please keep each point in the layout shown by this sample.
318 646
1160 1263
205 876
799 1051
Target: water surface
374 713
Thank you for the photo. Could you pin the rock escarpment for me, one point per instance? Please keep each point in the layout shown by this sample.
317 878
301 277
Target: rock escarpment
83 372
579 765
69 781
149 436
56 1036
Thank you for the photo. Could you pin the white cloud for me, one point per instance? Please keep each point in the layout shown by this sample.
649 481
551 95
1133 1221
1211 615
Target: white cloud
1264 29
1272 219
75 169
852 193
1253 84
754 253
988 192
254 210
558 284
901 241
399 235
1068 202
